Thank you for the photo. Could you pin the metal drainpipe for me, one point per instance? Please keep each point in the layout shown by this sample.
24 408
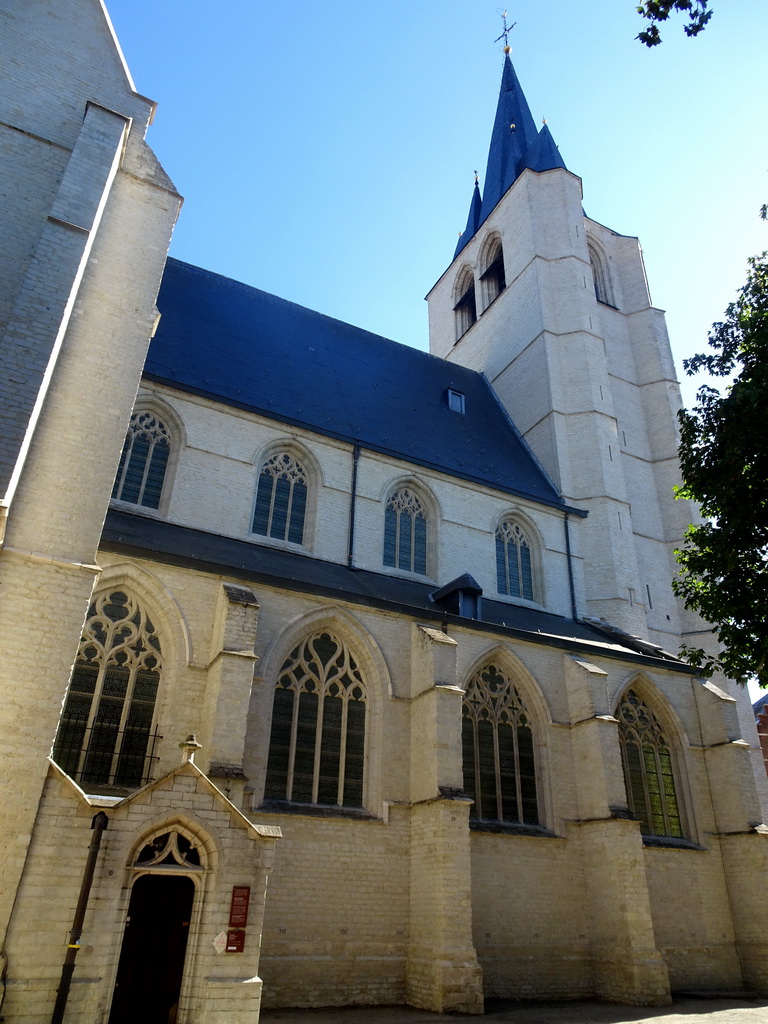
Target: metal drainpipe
352 503
570 565
98 824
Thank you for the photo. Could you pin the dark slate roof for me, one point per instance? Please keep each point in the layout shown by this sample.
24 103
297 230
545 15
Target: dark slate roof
140 536
244 347
760 705
512 149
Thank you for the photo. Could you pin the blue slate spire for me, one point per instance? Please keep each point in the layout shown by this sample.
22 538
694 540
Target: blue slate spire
509 144
543 154
473 220
515 146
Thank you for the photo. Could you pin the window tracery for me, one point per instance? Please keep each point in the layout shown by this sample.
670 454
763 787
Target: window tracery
105 727
317 743
498 750
281 499
514 569
405 532
144 461
649 778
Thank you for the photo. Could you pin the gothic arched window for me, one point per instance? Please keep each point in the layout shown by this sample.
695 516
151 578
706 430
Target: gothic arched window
492 277
143 462
466 305
317 745
649 777
602 280
405 532
514 571
497 748
104 732
281 499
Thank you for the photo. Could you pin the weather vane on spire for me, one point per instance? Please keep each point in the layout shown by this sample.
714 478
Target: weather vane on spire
505 34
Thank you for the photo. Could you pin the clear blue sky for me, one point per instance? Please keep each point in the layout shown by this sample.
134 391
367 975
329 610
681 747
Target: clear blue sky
326 150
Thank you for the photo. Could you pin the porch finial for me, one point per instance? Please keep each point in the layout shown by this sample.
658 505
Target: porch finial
189 747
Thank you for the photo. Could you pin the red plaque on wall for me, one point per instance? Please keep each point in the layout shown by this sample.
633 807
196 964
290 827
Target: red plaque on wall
235 941
238 910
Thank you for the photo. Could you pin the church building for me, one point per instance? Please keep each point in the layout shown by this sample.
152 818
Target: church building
356 665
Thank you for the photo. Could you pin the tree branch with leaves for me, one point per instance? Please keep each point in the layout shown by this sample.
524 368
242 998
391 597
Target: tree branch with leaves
724 461
655 11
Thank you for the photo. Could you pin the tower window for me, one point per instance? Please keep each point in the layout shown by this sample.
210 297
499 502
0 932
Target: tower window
143 462
281 499
497 749
492 278
317 745
646 758
514 572
405 532
466 307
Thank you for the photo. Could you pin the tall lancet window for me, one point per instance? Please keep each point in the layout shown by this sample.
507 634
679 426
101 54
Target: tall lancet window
405 532
317 746
466 306
281 499
492 277
106 725
514 572
646 758
497 745
144 460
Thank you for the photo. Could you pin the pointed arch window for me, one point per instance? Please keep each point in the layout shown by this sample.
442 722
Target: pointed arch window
317 744
514 570
105 733
281 499
498 750
602 281
405 532
649 777
144 461
466 306
492 278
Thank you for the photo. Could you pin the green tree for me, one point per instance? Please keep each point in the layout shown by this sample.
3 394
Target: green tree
724 461
655 11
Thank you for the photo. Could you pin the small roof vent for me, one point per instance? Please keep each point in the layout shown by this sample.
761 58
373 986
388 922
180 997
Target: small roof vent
460 597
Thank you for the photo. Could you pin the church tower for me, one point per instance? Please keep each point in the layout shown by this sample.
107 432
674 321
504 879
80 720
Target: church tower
554 309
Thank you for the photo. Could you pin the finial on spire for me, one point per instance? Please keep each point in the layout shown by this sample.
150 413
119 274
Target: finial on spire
477 178
505 34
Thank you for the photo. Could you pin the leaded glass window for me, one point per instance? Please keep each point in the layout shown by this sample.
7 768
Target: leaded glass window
497 747
514 573
317 745
106 723
143 462
649 778
281 499
405 532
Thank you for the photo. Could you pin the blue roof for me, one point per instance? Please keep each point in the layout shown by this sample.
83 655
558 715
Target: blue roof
515 145
246 348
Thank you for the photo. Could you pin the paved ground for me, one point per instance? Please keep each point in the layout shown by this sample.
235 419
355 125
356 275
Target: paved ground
682 1011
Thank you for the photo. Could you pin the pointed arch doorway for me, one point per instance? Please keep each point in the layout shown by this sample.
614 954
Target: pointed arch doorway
151 962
